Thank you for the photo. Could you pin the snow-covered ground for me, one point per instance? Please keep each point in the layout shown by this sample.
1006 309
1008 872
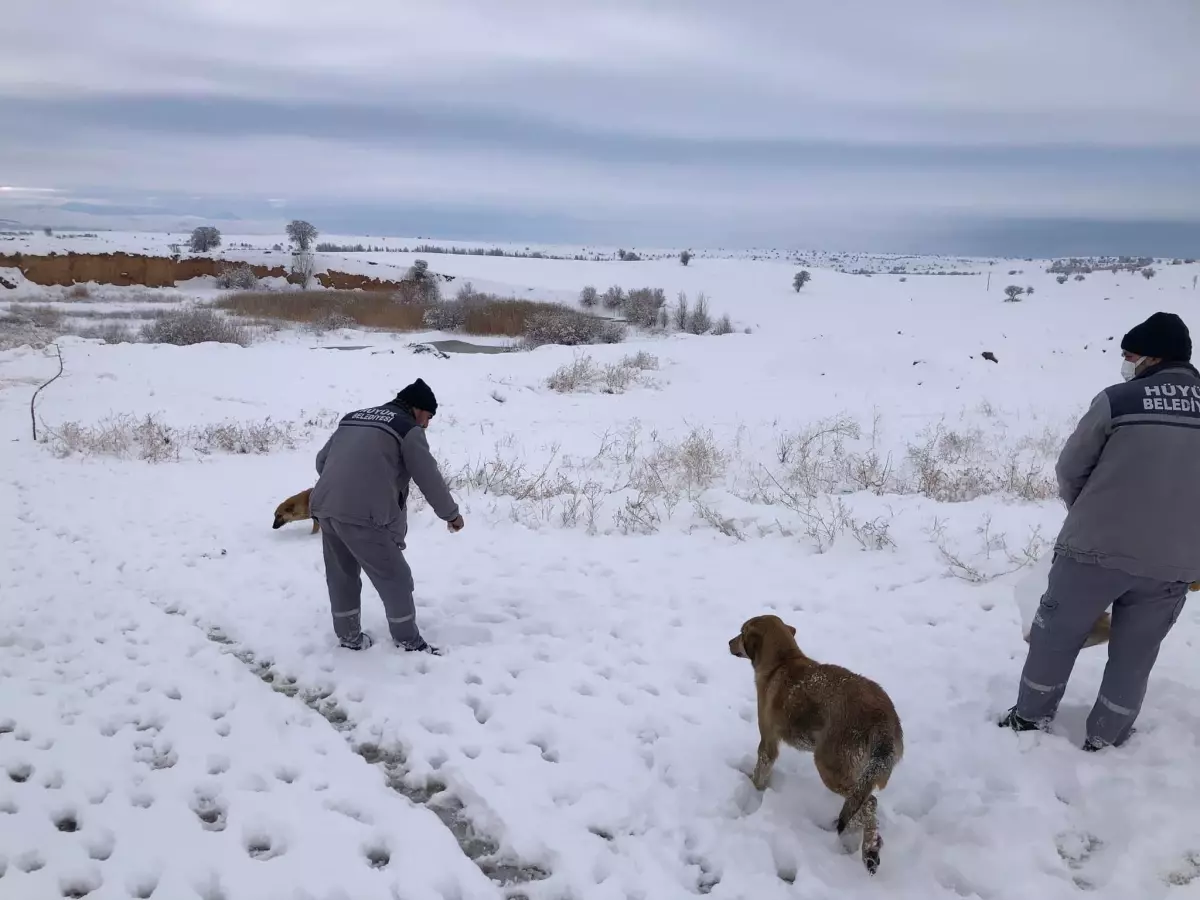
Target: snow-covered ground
176 720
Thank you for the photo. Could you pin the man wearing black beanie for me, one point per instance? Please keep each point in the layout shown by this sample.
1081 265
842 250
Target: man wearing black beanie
366 470
1130 477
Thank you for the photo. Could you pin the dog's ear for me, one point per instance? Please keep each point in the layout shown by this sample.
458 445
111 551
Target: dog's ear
751 643
792 629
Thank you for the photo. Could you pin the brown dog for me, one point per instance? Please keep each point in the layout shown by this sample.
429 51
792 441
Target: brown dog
295 509
846 720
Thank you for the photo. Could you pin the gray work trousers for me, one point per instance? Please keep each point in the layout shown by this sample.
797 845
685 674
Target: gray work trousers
1143 612
352 549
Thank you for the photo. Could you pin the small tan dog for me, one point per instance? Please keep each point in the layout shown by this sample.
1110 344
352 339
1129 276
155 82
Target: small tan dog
847 721
1102 630
295 509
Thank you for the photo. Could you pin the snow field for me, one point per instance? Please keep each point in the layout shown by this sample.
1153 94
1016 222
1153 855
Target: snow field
588 734
138 760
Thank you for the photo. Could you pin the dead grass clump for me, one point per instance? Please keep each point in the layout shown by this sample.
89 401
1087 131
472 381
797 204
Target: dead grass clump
185 327
109 333
123 437
41 315
575 376
584 374
942 464
22 334
151 440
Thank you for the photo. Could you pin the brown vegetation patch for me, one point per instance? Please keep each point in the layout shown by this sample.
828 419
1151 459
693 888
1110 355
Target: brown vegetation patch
404 309
502 317
364 309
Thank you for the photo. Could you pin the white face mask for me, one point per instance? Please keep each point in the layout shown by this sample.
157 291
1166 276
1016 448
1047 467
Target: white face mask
1129 368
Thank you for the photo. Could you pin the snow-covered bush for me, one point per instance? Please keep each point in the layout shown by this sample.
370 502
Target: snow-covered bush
194 326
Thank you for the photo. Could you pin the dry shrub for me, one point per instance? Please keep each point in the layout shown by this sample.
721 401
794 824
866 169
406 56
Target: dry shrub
568 327
641 306
146 438
110 333
236 276
944 465
42 315
124 437
583 374
185 327
575 376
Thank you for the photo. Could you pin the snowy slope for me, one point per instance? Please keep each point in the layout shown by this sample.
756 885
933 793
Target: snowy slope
168 666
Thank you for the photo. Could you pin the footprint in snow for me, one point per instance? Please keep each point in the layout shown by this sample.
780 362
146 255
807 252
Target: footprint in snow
480 709
261 846
30 861
101 846
65 820
377 855
20 772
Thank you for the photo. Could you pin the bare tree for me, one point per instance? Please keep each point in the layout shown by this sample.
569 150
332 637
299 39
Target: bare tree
301 233
1148 273
802 278
685 257
699 321
613 298
1029 291
1013 293
679 314
588 298
204 238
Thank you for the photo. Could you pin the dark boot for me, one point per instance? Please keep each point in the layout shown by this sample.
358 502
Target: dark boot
1016 723
419 646
361 642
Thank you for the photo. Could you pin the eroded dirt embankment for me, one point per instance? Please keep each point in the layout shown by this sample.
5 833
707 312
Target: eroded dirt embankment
126 269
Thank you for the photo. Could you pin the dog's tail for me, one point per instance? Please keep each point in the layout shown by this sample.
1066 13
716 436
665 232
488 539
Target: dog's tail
879 765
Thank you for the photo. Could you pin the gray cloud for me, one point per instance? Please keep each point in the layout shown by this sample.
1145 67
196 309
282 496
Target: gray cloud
770 118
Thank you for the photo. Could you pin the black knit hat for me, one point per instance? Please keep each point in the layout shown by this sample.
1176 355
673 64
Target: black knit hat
1163 335
419 396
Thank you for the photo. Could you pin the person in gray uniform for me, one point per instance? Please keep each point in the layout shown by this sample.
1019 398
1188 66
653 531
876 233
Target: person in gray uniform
1130 477
365 474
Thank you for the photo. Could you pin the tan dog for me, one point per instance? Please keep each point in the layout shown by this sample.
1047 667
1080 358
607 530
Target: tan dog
1102 630
295 509
846 720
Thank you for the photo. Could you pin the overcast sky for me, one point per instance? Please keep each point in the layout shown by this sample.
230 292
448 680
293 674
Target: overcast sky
850 124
